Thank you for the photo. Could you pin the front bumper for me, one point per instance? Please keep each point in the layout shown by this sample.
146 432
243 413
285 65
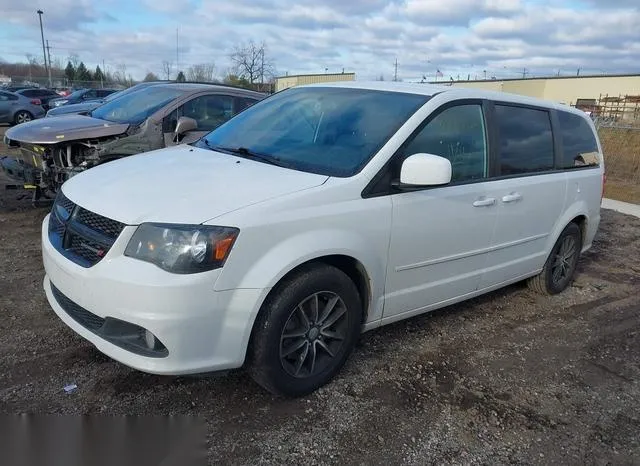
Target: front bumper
203 330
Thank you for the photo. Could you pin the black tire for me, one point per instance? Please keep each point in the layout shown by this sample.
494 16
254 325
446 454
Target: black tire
551 280
21 117
266 361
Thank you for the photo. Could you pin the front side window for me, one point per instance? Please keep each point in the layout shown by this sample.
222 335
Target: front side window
525 140
327 130
458 134
578 141
209 111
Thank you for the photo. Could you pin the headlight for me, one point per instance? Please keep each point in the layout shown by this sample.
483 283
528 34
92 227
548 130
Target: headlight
57 103
182 248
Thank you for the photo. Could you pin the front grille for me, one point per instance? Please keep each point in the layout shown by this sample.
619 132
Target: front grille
79 234
64 202
104 225
76 312
91 251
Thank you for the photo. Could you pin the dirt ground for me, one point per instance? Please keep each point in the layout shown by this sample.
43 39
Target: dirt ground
510 377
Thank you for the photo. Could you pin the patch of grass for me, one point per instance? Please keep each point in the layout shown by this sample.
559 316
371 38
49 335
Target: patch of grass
621 190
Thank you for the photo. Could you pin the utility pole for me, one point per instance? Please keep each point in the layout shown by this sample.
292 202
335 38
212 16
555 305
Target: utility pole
49 56
44 54
395 73
262 64
177 63
578 73
524 73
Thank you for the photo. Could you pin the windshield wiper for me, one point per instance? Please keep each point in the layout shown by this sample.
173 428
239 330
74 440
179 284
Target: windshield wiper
249 154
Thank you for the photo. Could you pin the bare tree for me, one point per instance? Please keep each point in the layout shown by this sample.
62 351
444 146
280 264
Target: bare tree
202 72
166 68
120 75
251 62
150 77
74 59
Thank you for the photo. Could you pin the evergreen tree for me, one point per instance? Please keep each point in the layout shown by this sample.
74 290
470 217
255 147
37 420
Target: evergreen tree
181 78
98 75
70 72
82 73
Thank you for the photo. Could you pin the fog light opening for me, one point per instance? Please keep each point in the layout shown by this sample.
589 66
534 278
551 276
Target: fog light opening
150 339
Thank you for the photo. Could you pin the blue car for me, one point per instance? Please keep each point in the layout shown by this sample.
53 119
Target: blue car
83 95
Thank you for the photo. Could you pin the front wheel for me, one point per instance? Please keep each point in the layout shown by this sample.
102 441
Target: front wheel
22 117
305 331
561 264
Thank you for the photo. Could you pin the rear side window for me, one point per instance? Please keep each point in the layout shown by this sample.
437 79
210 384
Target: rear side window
579 144
30 93
525 140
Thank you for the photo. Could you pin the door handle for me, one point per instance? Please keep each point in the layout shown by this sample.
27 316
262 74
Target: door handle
484 202
512 197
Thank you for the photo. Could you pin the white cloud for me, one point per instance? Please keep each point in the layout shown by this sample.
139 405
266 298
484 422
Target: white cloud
455 36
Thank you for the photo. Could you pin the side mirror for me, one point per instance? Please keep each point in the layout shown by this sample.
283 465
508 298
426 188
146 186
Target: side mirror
184 125
425 170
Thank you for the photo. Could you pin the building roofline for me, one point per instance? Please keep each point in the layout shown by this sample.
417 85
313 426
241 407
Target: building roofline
537 78
314 74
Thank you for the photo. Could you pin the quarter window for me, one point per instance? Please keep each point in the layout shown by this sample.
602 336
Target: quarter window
525 140
458 134
579 144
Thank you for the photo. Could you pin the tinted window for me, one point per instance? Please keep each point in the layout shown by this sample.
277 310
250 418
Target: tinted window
243 103
578 141
6 96
457 133
30 93
328 130
210 111
525 140
92 94
136 106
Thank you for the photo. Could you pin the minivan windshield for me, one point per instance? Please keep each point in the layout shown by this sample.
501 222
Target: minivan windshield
137 106
327 130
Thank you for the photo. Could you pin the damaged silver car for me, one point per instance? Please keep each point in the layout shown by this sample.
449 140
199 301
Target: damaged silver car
55 149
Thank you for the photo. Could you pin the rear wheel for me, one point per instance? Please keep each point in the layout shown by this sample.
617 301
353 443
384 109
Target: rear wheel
22 117
560 268
305 331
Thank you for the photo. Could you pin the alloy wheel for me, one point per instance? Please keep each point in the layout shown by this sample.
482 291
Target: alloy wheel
23 117
314 334
564 260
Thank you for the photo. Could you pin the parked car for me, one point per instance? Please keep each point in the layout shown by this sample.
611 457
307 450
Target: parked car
44 95
86 107
16 108
140 121
82 95
318 213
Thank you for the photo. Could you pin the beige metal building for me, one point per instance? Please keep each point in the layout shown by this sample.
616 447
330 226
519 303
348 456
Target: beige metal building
284 82
565 89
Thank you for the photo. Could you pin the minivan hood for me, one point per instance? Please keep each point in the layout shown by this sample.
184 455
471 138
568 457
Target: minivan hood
64 128
181 184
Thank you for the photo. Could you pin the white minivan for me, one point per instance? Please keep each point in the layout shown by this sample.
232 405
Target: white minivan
318 213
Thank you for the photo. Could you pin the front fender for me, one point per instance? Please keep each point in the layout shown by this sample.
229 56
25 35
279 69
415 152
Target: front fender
265 271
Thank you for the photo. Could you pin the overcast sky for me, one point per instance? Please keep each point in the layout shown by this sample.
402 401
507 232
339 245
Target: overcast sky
458 37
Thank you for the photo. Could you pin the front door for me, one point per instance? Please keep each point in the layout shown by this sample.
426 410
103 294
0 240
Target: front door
441 236
209 112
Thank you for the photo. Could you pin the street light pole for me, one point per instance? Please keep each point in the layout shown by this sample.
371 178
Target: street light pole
44 53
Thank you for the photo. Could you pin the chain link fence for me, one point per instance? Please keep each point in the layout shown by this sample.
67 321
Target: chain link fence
621 146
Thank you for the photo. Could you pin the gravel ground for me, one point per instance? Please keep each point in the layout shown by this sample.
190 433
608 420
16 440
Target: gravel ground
510 377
